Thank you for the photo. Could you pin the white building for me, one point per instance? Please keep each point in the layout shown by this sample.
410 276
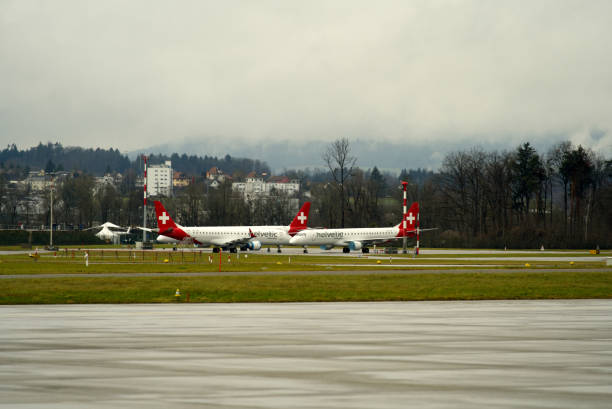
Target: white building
39 180
102 181
256 187
159 179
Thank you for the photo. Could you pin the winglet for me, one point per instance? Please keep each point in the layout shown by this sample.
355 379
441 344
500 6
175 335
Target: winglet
300 221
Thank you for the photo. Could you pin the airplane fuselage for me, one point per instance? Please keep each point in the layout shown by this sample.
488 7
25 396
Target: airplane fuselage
344 237
220 236
232 237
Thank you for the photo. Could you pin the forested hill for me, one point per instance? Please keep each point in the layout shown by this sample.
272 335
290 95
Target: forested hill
196 165
54 157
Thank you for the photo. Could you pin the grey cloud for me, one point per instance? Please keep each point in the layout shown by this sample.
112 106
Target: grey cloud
421 73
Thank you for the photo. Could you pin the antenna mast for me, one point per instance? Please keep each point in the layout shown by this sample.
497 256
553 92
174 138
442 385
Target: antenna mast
144 216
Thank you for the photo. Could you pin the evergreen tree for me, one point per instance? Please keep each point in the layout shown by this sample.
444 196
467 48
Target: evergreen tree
49 167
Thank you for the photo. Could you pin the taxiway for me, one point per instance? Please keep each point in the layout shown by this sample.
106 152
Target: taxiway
328 355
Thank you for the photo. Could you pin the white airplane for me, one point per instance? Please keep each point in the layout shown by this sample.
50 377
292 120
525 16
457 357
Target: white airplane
359 238
110 231
231 237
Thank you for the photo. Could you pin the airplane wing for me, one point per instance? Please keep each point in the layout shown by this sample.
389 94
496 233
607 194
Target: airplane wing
369 242
235 242
422 230
146 229
375 240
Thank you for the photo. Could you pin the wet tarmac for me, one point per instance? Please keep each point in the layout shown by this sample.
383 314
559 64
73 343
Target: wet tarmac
503 354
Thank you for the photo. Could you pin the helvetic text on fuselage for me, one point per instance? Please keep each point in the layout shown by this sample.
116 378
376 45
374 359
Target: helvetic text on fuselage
333 235
266 233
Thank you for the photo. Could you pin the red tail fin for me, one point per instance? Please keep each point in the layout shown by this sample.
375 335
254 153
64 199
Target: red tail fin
300 220
164 221
409 220
166 225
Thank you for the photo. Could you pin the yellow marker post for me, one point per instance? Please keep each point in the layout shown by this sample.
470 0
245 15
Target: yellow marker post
177 294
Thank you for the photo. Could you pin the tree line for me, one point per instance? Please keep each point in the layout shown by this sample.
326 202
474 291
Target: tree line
516 199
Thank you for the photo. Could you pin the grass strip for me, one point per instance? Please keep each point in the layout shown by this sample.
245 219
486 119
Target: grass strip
310 288
177 262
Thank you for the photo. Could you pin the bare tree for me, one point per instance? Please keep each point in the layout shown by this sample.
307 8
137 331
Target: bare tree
338 159
497 176
556 156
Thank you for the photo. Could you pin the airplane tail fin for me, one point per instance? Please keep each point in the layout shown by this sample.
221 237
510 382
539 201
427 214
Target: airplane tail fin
410 220
300 221
164 221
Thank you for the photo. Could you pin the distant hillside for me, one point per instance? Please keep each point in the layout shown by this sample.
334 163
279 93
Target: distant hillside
197 165
53 157
301 154
298 153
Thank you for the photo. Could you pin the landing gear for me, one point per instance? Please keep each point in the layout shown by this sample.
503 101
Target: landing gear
365 250
345 250
233 250
305 250
216 249
278 249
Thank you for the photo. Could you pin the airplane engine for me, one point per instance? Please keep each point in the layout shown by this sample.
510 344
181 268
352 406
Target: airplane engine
254 245
355 245
327 247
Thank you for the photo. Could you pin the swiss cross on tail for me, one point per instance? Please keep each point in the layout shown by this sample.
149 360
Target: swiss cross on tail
409 221
164 221
166 225
164 218
300 220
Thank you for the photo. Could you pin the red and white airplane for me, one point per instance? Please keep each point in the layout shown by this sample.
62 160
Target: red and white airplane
231 237
359 238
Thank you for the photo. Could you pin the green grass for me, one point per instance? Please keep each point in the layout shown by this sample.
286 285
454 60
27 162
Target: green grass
467 284
148 262
308 288
568 253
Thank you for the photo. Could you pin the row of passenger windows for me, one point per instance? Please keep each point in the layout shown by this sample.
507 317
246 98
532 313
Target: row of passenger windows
216 233
370 233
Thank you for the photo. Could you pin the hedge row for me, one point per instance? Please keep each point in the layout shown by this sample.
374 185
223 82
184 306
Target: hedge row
41 238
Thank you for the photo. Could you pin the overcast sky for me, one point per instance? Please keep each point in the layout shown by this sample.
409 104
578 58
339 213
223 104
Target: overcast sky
133 74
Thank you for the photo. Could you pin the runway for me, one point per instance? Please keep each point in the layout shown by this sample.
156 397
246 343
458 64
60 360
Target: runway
326 355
